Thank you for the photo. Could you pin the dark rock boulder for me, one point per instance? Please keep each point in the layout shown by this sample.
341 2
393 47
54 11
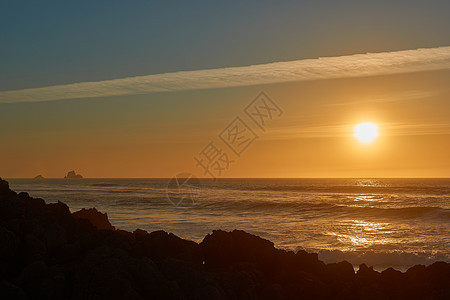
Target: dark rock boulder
392 282
438 278
42 281
160 244
221 249
9 247
4 189
98 219
10 291
342 271
367 274
260 264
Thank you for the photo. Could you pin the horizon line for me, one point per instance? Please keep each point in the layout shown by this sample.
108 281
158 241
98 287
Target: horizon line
223 178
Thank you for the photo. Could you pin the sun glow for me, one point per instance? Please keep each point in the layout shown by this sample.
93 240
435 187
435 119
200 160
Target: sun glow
366 132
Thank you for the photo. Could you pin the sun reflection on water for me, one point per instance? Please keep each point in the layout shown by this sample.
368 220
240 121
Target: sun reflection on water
365 200
362 234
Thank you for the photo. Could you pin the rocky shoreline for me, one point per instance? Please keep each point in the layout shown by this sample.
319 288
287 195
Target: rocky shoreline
48 252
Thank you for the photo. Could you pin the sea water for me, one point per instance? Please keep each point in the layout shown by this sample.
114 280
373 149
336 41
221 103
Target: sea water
381 222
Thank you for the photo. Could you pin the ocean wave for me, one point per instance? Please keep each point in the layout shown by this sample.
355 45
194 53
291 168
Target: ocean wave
350 189
326 207
382 260
105 184
402 212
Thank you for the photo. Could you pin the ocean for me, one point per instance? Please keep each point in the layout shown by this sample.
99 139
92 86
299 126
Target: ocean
381 222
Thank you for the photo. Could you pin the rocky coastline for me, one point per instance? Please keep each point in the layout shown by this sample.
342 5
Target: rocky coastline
48 252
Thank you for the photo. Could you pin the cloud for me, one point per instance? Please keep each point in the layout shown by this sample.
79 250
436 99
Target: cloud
391 97
358 65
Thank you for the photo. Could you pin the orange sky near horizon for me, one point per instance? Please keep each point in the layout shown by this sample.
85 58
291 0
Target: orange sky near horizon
158 134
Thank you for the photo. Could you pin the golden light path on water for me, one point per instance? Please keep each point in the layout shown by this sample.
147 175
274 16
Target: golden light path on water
365 201
363 234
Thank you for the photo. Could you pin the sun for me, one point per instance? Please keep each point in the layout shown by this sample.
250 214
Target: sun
366 132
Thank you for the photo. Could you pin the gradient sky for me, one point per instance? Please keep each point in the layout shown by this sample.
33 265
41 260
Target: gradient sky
157 134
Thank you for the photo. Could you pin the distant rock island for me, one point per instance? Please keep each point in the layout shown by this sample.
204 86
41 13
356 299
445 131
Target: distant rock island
73 175
39 177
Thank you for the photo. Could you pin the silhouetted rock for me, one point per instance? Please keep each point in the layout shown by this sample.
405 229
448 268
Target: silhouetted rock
367 274
39 177
73 175
98 219
160 244
47 252
11 291
222 249
4 189
139 232
342 271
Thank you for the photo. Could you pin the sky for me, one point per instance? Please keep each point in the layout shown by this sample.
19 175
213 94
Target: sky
142 88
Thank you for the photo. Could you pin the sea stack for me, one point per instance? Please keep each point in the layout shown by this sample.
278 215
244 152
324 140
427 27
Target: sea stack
73 175
39 177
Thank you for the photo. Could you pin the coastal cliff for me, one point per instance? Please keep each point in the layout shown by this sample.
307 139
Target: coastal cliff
48 252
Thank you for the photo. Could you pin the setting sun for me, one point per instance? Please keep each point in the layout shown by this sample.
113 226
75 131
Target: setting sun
366 132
